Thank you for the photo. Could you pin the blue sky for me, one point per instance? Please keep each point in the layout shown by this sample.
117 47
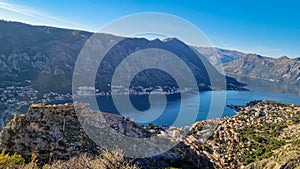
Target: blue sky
270 28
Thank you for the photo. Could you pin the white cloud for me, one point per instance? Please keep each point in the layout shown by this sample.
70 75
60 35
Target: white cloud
22 10
34 16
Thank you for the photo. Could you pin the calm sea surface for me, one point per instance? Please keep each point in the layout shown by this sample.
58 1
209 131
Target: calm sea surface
166 114
173 110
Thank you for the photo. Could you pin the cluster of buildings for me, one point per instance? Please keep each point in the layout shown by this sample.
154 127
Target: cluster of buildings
122 90
17 96
220 139
53 96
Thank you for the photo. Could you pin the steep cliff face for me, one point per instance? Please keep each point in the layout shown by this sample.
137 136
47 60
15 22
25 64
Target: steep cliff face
54 132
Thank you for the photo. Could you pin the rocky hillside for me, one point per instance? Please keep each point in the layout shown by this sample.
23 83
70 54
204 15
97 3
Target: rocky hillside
255 66
287 156
46 56
262 130
54 132
55 135
263 134
219 56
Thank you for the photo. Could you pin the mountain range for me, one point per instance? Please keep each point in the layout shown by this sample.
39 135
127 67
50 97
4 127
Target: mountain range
254 66
219 56
46 56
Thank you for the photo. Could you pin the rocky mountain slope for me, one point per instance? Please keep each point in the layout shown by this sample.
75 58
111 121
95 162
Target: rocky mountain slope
46 56
219 56
242 65
261 130
40 54
287 156
55 132
258 67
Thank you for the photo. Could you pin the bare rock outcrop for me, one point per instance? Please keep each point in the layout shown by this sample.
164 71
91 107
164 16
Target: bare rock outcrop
55 132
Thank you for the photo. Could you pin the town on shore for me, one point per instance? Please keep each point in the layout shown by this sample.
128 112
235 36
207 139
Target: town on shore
235 142
253 134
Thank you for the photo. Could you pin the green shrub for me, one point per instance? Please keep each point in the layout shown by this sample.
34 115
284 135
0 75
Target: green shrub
296 142
10 161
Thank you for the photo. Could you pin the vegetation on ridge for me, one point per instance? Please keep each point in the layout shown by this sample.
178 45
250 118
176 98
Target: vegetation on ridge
106 160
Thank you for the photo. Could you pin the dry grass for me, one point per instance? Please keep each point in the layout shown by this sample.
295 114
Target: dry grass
106 160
